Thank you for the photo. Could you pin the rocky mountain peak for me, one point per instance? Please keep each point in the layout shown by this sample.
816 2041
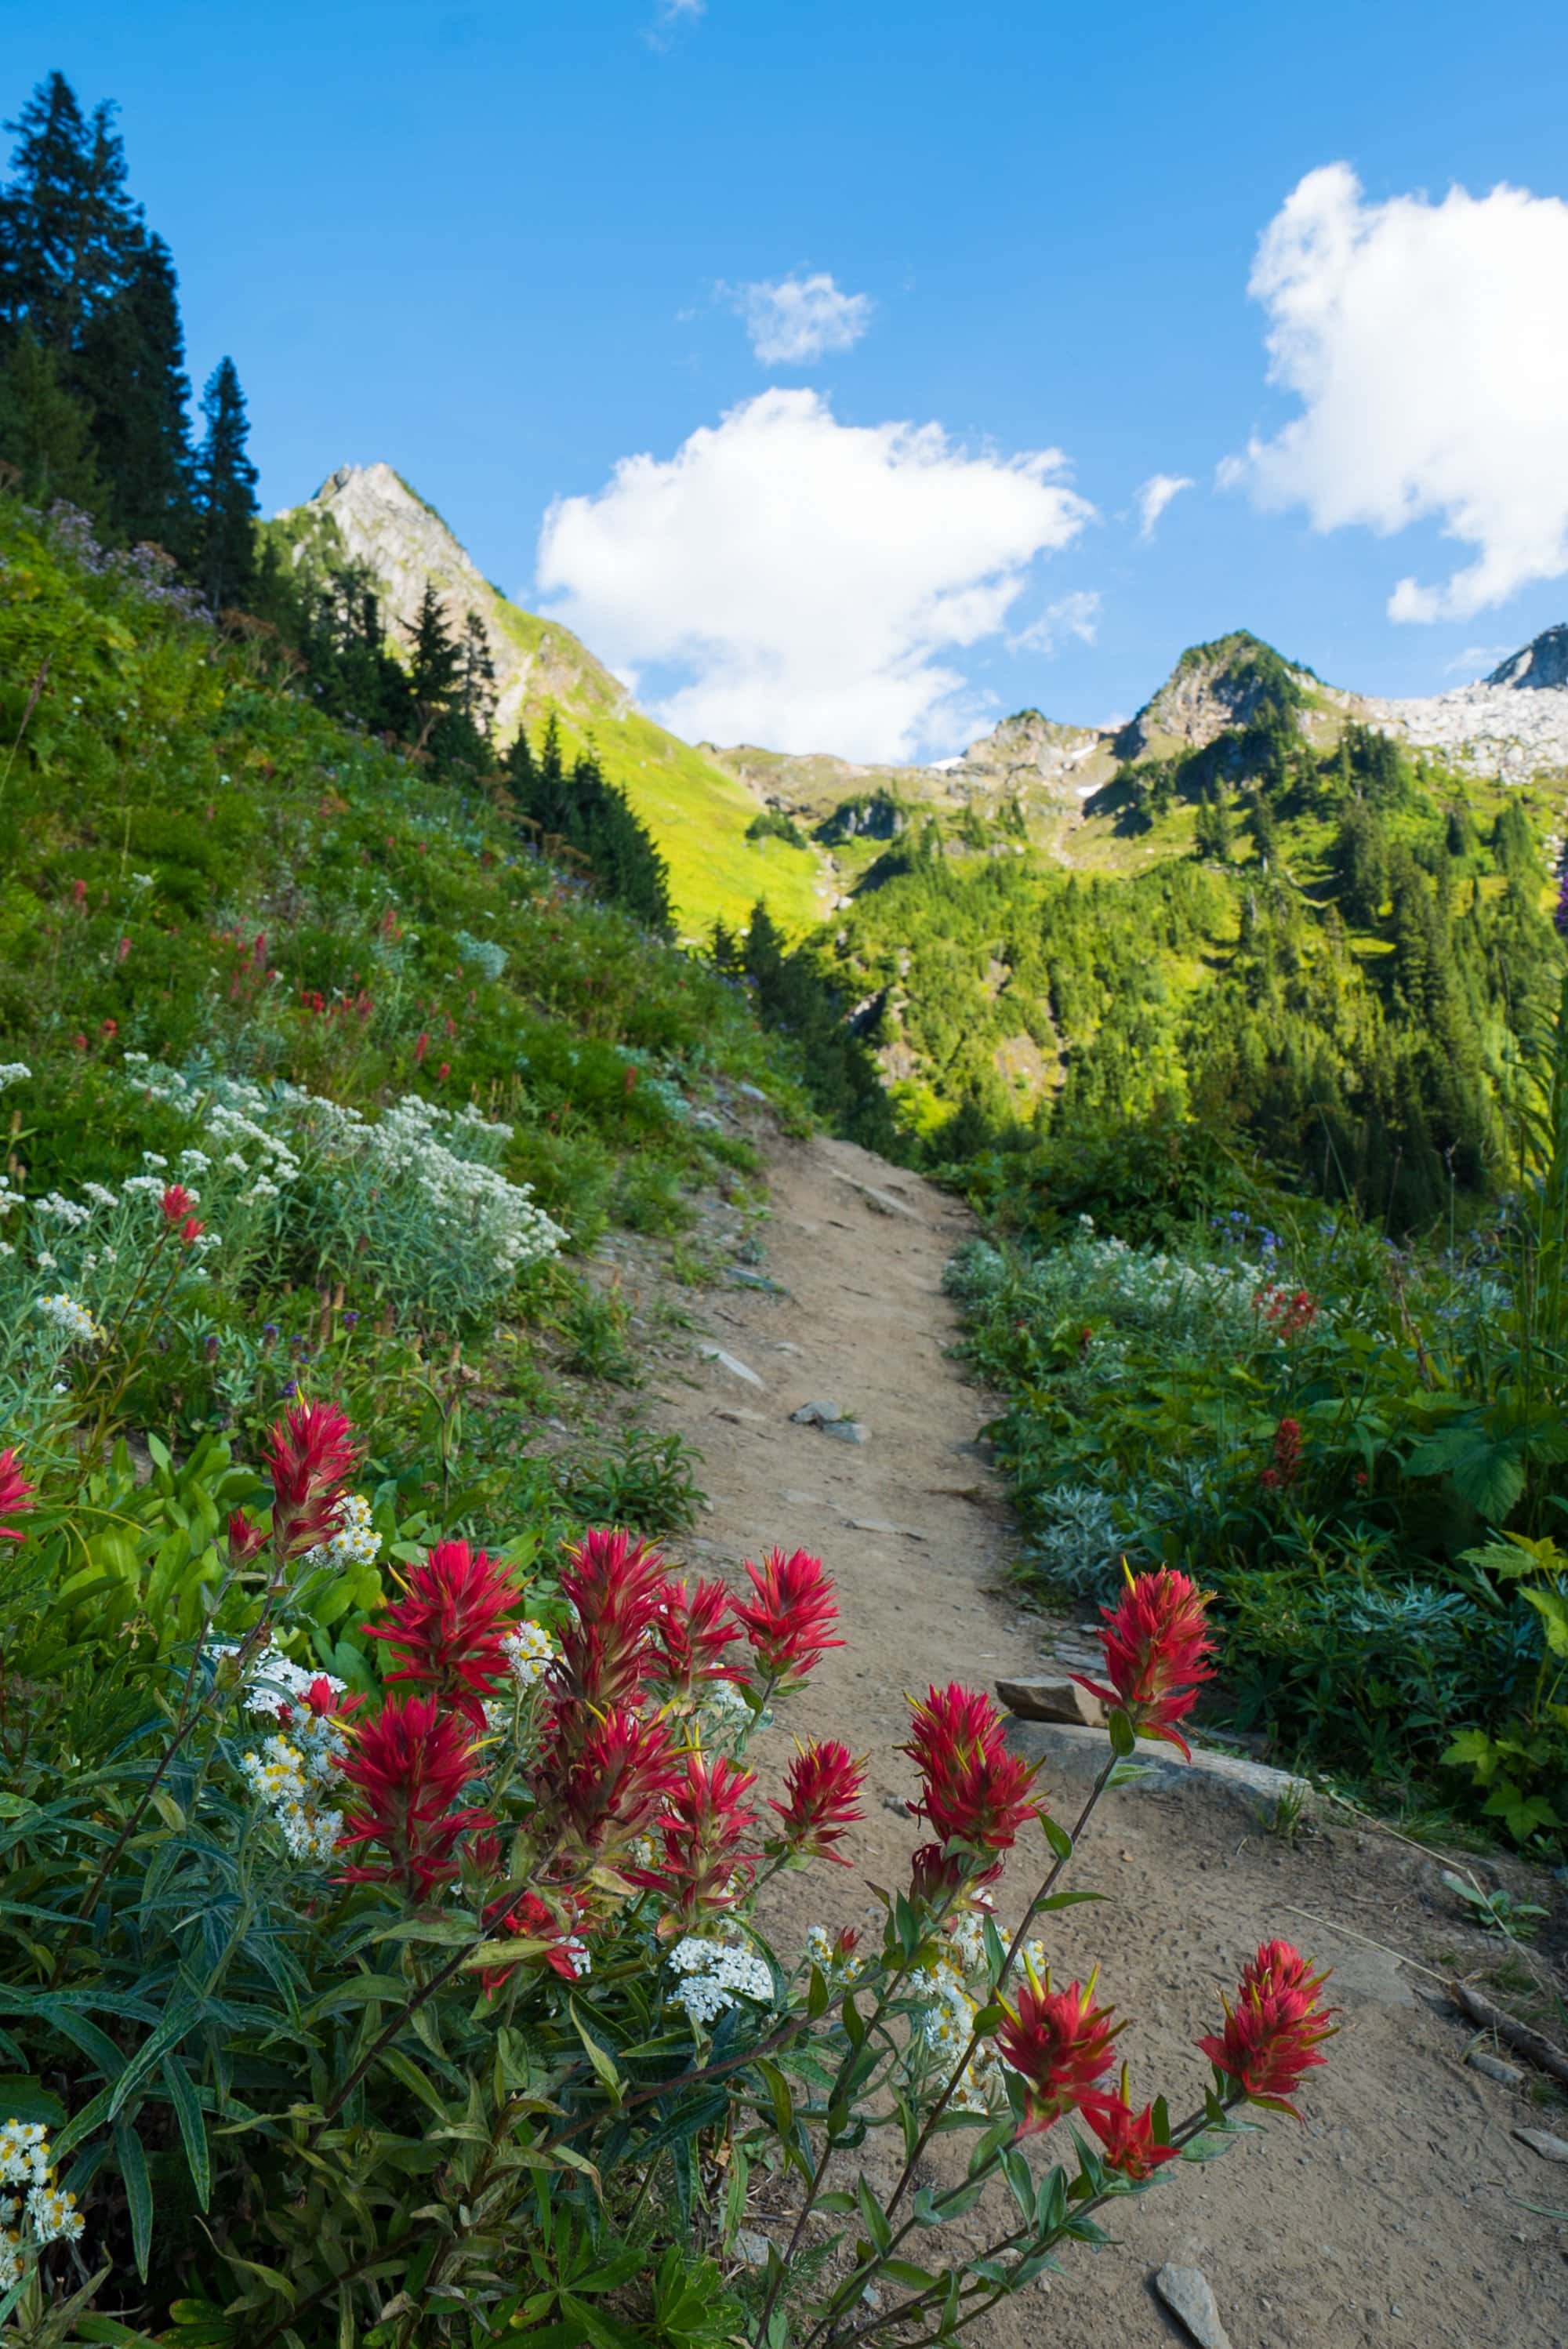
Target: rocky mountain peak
1212 687
1542 663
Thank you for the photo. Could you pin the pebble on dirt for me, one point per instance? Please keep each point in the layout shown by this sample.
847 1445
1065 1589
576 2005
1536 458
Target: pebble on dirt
1492 2067
1187 2294
1056 1698
1541 2141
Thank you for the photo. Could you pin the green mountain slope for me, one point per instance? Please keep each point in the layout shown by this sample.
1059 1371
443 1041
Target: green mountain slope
697 813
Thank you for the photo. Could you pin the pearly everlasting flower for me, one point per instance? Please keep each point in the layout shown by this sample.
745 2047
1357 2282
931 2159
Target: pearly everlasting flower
69 1211
530 1651
101 1195
13 1073
67 1315
356 1542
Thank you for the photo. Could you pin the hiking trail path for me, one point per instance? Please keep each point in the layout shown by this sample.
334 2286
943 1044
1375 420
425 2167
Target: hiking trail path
1399 2211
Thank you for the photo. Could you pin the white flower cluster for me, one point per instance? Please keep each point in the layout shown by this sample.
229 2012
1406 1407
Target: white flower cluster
8 1198
287 1777
290 1775
955 1990
70 1317
714 1974
13 1073
27 2163
463 1190
356 1542
841 1969
69 1211
529 1652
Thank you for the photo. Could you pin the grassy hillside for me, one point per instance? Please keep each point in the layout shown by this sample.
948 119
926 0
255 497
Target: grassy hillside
698 813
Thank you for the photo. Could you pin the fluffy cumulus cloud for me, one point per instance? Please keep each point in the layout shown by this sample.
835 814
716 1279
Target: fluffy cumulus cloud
806 581
1155 495
1428 344
1075 614
794 321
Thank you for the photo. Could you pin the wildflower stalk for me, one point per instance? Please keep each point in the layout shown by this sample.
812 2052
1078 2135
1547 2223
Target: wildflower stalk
1013 1950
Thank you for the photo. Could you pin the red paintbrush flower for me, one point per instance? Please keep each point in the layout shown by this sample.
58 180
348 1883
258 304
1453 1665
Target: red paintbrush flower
1271 2034
563 1949
613 1584
821 1791
192 1229
621 1773
976 1792
409 1766
449 1626
1060 2042
700 1868
177 1201
1127 2138
17 1496
1155 1644
790 1621
690 1633
246 1538
310 1457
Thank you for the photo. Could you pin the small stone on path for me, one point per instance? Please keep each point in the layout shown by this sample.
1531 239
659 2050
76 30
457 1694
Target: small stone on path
737 1368
1187 2294
1541 2141
1053 1699
882 1526
848 1430
816 1414
1492 2067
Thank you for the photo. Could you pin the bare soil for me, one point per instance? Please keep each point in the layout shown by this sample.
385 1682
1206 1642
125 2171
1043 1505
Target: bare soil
1404 2210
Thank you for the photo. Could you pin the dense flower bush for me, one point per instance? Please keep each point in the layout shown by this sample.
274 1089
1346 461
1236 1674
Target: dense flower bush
446 2001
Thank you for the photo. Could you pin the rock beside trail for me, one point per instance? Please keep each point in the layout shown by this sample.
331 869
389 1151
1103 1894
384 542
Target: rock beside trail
1541 2141
737 1368
1187 2293
1492 2067
1056 1698
832 1422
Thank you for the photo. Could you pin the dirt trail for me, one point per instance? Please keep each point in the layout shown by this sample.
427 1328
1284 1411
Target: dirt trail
1399 2213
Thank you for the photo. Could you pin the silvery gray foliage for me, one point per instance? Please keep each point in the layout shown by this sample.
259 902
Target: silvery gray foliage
1081 1536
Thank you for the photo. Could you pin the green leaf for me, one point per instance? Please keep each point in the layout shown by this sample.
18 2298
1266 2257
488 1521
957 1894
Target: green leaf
1060 1842
597 2057
132 2161
1553 1609
875 2218
23 2098
1123 1741
192 2128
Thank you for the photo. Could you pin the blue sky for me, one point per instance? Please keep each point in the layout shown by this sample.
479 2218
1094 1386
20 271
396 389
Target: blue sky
501 245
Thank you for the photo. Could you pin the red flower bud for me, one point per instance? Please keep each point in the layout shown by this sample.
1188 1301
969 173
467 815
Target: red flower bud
976 1792
821 1790
408 1767
1060 2042
789 1620
310 1457
449 1626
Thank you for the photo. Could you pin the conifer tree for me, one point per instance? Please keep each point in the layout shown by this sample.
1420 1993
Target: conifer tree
476 677
65 220
225 494
45 431
132 367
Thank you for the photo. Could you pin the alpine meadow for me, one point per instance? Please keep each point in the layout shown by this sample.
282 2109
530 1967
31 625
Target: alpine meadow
521 1818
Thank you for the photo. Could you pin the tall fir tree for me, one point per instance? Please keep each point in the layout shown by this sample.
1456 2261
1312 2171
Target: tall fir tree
45 432
435 662
225 494
65 220
132 370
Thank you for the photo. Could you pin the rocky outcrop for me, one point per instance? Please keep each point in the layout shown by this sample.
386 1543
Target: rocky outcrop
1542 664
1211 688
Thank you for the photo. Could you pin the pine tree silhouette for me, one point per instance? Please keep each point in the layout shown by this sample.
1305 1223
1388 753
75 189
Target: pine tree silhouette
225 494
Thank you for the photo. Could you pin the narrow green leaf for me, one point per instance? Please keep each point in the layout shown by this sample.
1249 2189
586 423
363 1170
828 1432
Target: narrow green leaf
192 2128
132 2161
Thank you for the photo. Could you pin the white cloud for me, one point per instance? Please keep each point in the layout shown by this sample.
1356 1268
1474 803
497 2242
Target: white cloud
1429 345
1155 495
809 578
1077 615
670 17
794 320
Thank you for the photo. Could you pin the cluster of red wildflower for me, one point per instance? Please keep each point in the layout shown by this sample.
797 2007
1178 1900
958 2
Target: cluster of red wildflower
1275 2028
1289 1312
821 1800
358 1006
976 1792
177 1203
1060 2043
789 1619
408 1765
448 1628
1156 1644
310 1458
17 1496
1284 1465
